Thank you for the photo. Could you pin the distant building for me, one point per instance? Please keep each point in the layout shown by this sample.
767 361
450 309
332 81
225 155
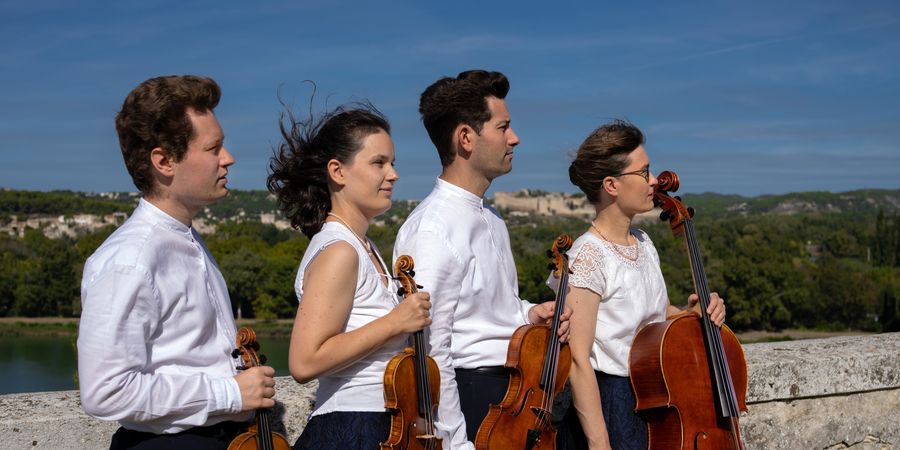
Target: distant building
539 203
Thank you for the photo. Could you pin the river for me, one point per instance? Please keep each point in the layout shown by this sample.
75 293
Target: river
49 363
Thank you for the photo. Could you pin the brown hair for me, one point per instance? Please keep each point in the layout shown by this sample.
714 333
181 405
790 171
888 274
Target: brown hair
298 173
154 114
603 154
449 102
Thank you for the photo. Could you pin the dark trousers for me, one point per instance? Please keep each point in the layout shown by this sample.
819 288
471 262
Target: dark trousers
215 437
478 389
482 387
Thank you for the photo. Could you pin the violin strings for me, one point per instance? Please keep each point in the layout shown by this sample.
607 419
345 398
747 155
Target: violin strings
551 364
423 386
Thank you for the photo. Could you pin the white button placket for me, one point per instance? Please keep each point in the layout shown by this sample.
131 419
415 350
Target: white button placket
226 326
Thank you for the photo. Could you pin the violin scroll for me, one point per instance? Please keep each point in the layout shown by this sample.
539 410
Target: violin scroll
248 348
560 246
404 269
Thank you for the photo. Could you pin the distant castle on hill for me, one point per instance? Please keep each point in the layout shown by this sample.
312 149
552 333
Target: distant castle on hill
532 202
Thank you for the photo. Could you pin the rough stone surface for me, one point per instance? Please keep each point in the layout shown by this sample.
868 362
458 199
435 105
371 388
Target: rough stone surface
837 393
817 367
869 420
54 420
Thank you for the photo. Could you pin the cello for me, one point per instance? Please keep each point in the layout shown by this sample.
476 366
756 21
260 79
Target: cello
689 376
412 383
539 367
259 436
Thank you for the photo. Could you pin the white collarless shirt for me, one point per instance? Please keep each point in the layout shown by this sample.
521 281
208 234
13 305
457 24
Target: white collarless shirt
463 259
156 331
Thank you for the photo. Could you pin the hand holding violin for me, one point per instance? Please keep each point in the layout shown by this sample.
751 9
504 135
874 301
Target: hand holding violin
257 385
412 314
543 313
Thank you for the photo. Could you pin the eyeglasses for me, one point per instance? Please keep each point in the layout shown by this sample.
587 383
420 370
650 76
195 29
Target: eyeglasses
643 173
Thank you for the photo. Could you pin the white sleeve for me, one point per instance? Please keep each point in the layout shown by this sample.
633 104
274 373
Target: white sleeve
120 313
588 270
440 274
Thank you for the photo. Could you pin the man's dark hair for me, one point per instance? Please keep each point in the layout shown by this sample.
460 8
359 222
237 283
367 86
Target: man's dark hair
154 114
450 102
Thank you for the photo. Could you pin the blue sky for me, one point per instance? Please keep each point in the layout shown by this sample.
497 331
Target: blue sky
737 97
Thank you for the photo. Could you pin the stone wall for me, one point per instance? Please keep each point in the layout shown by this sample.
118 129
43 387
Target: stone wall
829 394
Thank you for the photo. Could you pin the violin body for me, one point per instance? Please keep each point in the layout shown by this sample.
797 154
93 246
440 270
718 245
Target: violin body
506 425
412 383
671 379
251 440
539 367
405 431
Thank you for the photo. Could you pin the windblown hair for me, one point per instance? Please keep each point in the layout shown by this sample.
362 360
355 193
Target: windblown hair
154 114
603 154
298 174
450 102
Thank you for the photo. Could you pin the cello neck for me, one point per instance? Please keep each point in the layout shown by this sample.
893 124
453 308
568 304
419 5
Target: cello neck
726 399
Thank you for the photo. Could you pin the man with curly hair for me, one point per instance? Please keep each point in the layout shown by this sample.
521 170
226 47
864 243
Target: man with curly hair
157 331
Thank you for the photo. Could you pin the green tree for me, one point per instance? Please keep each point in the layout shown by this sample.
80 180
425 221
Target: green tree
48 285
241 271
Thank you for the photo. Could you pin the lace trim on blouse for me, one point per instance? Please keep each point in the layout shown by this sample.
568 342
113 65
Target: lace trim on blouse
631 255
589 268
588 262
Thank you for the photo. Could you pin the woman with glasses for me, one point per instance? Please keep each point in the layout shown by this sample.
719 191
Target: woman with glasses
616 286
331 177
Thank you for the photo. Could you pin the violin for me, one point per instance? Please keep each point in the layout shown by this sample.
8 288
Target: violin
412 383
539 367
689 376
258 436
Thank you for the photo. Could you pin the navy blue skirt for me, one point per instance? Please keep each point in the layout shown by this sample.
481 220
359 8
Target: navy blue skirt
627 431
344 430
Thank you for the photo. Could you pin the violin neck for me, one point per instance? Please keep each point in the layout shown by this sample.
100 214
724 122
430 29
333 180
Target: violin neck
422 386
724 392
551 355
263 431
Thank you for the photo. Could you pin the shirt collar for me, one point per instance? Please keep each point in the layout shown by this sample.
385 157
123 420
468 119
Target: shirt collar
160 217
453 190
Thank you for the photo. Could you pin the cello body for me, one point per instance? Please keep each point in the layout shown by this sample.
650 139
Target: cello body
689 375
539 366
668 354
522 402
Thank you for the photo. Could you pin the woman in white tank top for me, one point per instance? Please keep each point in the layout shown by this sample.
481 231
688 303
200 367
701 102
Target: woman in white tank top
331 177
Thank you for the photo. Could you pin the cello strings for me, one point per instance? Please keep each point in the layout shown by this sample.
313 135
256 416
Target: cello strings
715 348
711 336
